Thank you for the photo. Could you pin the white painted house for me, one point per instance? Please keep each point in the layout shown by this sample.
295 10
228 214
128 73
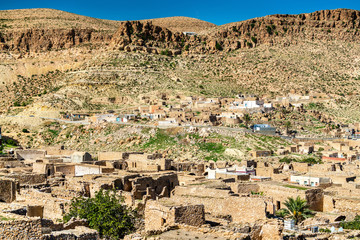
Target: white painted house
306 180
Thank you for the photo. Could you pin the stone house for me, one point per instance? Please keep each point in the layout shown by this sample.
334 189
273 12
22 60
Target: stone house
259 153
78 170
148 163
110 156
153 186
30 154
219 201
79 157
307 180
165 213
43 168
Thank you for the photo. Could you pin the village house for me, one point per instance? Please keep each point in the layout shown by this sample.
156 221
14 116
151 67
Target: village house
148 162
307 180
259 153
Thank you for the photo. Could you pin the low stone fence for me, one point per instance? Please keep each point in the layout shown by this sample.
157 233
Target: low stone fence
20 229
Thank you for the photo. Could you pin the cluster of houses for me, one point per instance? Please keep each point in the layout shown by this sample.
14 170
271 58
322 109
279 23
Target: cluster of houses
181 110
43 181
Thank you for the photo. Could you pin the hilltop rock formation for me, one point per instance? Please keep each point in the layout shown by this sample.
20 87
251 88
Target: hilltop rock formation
146 35
340 24
284 29
35 40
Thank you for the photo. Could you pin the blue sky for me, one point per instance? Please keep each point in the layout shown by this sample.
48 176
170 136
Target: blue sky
215 11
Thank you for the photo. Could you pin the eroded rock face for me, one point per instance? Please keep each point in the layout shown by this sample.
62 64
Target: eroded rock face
284 29
36 40
338 24
146 35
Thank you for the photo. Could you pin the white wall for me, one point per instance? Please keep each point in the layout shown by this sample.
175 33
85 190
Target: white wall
81 170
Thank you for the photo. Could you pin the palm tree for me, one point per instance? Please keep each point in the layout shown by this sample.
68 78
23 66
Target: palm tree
297 209
247 119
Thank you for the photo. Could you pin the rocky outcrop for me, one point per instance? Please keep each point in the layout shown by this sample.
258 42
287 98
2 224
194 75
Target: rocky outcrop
284 29
36 40
146 36
340 24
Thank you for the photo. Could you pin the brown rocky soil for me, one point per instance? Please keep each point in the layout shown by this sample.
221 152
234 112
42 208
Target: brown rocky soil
182 24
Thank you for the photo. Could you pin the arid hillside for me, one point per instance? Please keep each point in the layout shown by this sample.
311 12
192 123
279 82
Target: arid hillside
182 24
43 18
71 69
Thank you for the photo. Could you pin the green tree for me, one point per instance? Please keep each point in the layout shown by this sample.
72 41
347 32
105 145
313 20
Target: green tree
353 225
288 126
247 119
105 212
297 209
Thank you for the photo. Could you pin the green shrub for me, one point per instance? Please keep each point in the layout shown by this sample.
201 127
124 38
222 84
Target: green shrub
287 160
353 225
25 130
212 147
11 142
254 39
269 30
165 52
161 140
218 46
105 212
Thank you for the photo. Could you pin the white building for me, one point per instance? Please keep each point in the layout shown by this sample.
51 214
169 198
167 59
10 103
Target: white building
81 170
233 171
306 180
168 122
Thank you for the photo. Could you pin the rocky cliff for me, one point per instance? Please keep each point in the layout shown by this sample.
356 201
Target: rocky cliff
340 24
35 40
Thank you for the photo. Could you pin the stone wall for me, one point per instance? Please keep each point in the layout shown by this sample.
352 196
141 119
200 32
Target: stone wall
280 194
110 156
53 207
140 185
29 179
315 198
300 167
159 214
341 204
20 229
8 189
244 188
240 209
30 154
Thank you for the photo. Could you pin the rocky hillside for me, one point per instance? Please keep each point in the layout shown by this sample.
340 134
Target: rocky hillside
182 24
74 69
65 32
340 24
43 18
